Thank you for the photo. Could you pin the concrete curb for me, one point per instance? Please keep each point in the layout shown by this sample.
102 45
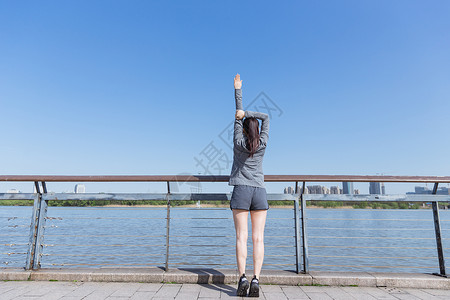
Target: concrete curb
230 276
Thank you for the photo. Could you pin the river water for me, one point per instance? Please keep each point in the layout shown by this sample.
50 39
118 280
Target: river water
338 239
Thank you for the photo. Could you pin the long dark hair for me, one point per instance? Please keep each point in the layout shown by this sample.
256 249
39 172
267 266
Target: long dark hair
251 127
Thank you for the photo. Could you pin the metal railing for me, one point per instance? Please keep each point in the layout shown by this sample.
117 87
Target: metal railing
42 224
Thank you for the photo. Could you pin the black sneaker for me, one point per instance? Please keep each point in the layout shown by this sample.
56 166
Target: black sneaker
254 287
242 286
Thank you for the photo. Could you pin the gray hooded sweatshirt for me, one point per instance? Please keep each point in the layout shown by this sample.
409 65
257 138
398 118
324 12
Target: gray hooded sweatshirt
248 170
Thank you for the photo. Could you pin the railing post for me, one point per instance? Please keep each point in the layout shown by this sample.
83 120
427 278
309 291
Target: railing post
437 229
33 231
304 236
297 235
40 233
167 227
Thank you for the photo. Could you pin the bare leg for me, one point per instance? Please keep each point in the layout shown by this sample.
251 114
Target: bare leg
258 222
240 217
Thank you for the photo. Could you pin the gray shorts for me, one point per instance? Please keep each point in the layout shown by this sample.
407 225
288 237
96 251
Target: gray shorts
249 198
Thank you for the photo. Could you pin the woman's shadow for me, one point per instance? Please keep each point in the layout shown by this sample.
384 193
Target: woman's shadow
212 279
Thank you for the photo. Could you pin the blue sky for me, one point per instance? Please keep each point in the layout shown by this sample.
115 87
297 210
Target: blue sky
141 87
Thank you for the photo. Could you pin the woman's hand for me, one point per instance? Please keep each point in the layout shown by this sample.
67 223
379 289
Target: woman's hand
237 82
240 114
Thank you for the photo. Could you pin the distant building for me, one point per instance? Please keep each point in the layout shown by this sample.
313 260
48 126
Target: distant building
374 188
13 191
335 190
318 189
80 188
289 190
383 189
315 189
300 190
425 190
347 187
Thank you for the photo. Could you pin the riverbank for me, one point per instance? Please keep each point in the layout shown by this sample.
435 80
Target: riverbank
309 205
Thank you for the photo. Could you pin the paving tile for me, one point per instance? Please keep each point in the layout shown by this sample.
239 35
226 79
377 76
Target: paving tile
421 294
270 288
336 293
406 297
142 295
274 296
168 291
294 292
126 291
15 292
104 291
226 296
377 293
58 292
191 287
319 296
85 289
209 291
150 287
187 295
436 292
227 291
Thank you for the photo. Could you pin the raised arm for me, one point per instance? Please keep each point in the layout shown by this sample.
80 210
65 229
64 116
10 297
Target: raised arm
238 96
264 135
238 137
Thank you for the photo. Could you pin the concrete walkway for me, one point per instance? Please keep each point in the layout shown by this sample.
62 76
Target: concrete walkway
125 290
155 283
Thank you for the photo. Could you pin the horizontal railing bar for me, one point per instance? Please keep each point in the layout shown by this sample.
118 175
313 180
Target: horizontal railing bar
373 247
87 235
363 229
221 227
17 196
155 196
55 264
232 255
346 219
352 256
13 235
267 246
11 253
227 236
207 264
96 255
103 218
213 255
200 218
222 178
223 197
387 267
11 245
202 236
17 226
369 237
89 245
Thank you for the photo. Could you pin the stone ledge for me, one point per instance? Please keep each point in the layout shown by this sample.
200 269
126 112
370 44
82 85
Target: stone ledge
412 280
230 276
343 278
